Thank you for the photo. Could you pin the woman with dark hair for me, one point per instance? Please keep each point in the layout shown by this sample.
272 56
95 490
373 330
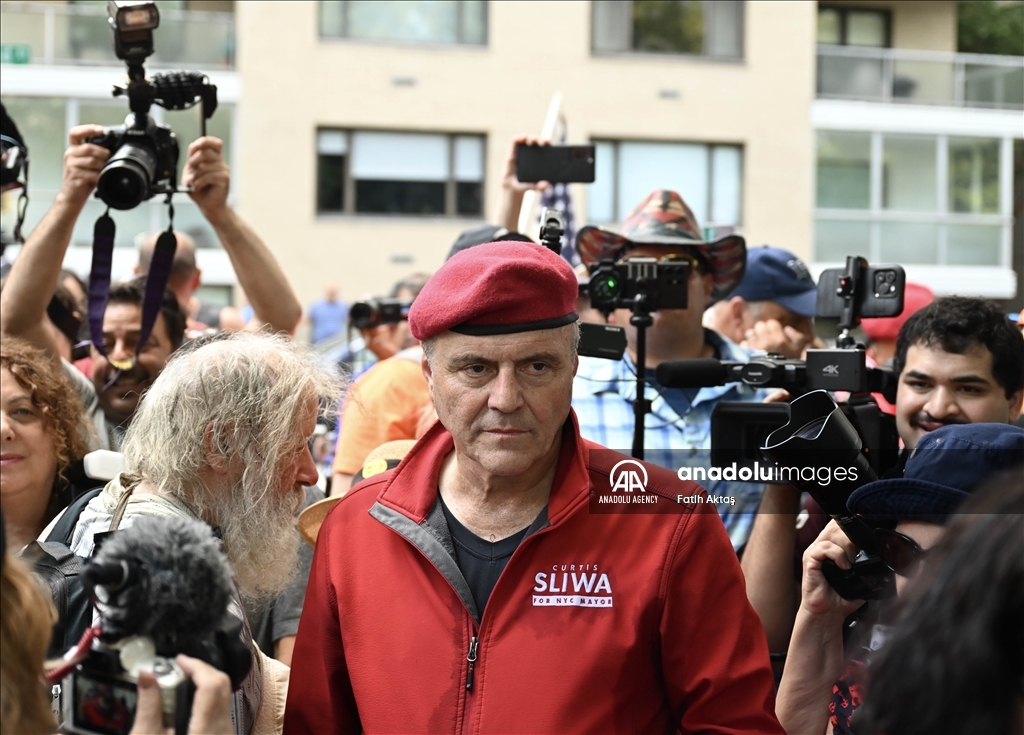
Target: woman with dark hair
41 440
955 660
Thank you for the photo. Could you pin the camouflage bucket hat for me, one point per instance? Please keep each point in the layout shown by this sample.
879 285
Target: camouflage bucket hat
663 219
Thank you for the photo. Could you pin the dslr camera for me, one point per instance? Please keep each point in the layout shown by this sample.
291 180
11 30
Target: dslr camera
144 154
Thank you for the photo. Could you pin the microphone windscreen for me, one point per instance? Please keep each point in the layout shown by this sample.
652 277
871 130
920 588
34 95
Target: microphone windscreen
699 373
184 582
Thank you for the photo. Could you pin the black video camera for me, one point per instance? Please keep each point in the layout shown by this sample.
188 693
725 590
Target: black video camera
376 312
640 280
144 154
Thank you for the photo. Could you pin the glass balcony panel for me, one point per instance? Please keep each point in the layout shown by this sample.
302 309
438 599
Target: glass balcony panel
994 86
81 34
844 170
849 76
24 29
973 244
909 242
835 239
974 175
922 81
908 173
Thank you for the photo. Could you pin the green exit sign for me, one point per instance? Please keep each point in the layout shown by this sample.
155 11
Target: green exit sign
15 53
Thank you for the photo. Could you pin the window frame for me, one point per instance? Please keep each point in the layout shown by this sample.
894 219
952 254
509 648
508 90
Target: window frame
460 25
348 198
703 218
844 11
738 59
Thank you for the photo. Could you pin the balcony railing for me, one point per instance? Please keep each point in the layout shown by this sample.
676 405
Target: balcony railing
921 77
52 33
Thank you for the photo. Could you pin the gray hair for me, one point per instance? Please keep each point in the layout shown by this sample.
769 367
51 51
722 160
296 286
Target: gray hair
248 390
430 345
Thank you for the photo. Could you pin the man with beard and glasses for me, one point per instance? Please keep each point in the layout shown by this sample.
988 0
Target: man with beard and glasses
113 397
223 437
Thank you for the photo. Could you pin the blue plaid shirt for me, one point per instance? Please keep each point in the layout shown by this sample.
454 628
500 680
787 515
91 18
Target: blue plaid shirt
603 394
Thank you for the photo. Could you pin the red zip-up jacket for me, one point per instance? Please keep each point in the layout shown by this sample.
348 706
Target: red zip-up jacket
599 623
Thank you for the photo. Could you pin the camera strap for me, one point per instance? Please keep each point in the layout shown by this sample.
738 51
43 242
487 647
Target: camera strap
99 283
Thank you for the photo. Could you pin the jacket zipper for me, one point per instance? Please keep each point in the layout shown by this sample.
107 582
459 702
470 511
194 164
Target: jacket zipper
471 658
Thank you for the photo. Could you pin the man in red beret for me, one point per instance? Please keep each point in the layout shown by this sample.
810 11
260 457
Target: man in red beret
482 585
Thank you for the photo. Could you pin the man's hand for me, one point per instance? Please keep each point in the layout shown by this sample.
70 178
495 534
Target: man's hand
211 707
207 173
816 595
512 189
770 336
82 165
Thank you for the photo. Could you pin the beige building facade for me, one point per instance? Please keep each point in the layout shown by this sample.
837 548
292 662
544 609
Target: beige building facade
364 137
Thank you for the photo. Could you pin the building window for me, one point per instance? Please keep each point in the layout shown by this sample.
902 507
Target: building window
406 21
709 28
853 27
708 177
376 172
913 199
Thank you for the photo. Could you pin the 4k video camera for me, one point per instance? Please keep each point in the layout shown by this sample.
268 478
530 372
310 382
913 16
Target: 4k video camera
144 160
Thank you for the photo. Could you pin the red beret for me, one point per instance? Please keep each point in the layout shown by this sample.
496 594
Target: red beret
496 288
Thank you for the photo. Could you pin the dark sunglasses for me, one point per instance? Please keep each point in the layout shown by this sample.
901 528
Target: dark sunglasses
900 553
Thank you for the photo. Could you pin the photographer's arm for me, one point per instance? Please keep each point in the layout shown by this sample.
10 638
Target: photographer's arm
815 659
273 301
768 564
512 190
36 270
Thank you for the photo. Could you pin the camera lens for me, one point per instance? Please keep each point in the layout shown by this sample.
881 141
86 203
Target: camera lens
125 180
605 287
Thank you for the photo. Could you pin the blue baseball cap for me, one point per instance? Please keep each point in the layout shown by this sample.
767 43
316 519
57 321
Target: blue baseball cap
944 469
774 274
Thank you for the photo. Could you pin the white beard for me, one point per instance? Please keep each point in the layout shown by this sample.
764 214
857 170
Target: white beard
261 540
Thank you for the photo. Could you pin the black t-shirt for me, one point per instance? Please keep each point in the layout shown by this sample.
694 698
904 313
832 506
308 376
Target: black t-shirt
480 561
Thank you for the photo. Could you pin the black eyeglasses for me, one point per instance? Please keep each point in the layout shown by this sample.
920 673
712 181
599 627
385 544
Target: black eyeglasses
900 553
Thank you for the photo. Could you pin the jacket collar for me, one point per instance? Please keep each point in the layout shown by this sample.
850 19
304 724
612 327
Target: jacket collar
412 488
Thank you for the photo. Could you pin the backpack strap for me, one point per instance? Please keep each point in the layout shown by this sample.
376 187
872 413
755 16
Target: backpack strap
122 506
64 529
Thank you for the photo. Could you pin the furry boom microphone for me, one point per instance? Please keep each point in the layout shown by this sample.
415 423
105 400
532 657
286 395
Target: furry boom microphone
167 579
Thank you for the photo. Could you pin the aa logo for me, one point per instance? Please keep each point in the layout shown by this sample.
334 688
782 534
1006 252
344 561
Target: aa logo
628 475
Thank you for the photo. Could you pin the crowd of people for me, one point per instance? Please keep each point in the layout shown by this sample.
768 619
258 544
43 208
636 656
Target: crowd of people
455 568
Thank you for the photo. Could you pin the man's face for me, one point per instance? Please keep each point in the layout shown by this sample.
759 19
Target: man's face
258 526
122 324
298 468
504 398
938 387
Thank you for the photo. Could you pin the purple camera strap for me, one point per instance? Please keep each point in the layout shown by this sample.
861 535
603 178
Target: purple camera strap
99 284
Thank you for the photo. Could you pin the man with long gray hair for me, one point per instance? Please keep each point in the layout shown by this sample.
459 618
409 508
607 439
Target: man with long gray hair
223 437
